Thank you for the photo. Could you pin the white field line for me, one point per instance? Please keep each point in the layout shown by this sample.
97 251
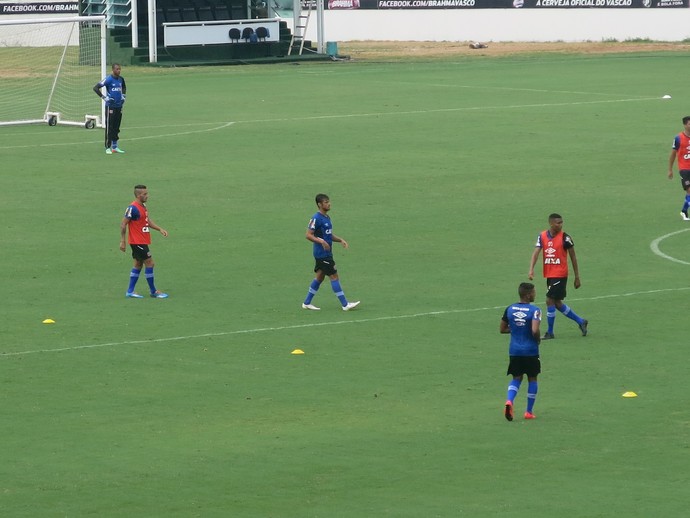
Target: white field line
513 89
453 110
217 126
223 125
654 245
313 325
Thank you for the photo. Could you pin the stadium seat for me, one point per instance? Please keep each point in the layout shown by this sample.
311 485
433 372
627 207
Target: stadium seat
247 33
262 33
235 35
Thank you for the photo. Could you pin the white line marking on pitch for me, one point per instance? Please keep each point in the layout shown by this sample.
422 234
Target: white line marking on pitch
654 245
450 110
318 324
510 89
220 126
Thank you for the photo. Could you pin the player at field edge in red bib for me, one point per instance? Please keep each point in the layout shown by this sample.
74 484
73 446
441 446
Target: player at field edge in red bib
320 233
681 150
139 224
555 246
521 321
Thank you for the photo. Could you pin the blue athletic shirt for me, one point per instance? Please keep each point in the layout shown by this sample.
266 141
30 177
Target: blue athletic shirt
115 88
519 317
322 227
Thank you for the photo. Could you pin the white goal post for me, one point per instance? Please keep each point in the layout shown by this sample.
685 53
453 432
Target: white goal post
48 67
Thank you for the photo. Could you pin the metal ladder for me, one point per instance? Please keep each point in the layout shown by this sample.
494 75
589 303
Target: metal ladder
300 31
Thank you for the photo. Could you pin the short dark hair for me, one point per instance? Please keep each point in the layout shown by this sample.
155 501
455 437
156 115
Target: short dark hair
139 187
115 65
686 119
321 198
525 288
555 216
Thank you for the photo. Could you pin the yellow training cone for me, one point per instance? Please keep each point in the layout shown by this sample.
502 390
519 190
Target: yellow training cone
629 394
298 351
49 321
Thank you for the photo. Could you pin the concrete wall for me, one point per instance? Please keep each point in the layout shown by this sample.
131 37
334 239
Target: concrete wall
504 25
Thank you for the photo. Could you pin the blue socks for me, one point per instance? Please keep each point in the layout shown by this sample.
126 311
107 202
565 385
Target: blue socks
686 205
513 389
339 292
532 388
133 278
550 318
148 273
565 309
313 288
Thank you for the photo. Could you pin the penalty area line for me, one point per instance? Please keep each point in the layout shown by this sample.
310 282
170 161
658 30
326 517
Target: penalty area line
314 325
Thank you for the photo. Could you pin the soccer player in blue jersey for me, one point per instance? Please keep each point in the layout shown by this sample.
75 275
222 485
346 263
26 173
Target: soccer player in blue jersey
115 90
320 233
521 321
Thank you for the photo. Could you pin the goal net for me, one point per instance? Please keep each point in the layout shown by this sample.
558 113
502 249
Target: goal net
48 68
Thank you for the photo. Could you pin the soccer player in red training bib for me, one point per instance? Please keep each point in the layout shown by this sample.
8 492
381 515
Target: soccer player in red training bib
139 224
555 246
681 149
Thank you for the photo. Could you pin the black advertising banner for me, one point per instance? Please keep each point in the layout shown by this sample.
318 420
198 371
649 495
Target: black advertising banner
504 4
39 7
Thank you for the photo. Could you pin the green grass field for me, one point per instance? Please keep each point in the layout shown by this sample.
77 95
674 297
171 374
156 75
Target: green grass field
441 174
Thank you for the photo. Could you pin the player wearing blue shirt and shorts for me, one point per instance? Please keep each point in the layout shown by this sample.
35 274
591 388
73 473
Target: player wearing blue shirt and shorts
320 233
115 90
521 321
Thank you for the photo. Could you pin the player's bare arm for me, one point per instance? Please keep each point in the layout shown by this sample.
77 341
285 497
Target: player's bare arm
123 234
340 240
163 232
535 330
532 262
311 237
576 269
671 161
504 328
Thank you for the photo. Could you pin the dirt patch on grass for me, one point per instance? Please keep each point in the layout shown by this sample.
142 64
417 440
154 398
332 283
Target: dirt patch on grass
398 50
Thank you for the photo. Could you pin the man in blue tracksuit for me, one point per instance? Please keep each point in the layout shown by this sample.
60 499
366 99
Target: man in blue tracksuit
115 90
